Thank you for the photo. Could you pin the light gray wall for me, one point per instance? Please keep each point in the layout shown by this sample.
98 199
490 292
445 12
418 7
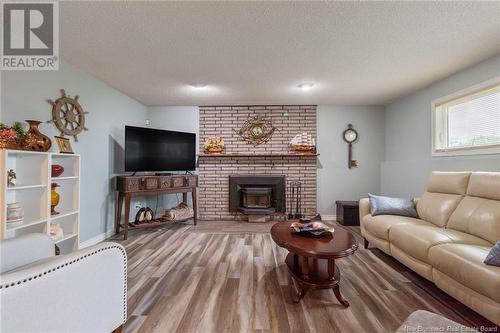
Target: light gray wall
24 95
408 159
174 118
335 180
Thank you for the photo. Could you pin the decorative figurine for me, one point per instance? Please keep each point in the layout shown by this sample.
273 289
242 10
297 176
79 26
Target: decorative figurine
15 214
54 199
56 232
303 143
11 176
214 144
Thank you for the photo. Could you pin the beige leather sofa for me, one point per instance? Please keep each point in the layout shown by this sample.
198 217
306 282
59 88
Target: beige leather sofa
459 222
84 291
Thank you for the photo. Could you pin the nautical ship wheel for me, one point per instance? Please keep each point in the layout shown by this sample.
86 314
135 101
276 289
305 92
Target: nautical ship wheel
68 115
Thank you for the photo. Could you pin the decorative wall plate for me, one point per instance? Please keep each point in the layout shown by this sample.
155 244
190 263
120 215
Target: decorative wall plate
68 115
256 130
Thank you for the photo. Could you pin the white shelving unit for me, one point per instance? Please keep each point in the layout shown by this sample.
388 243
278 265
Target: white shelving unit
33 190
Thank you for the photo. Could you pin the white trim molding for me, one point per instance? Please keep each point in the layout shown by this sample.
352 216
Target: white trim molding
325 217
96 239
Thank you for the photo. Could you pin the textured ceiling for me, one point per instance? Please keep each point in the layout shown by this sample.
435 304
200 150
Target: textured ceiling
356 53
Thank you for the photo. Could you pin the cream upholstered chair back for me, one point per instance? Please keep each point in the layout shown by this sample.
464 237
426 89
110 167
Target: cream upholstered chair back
26 249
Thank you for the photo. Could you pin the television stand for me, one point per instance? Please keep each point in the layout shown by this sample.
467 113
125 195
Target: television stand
130 186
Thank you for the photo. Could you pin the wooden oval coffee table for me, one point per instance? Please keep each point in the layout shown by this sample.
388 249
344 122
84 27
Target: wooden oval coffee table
311 260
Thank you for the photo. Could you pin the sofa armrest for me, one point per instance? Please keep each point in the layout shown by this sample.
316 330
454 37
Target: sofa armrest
364 208
84 291
24 250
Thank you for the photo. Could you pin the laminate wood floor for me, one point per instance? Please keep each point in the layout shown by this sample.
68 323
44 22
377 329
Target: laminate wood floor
231 277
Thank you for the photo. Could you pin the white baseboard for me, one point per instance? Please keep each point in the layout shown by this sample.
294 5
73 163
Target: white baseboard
328 217
96 239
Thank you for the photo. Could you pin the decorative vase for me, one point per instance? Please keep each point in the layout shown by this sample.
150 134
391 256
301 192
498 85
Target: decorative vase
15 213
39 142
54 199
57 170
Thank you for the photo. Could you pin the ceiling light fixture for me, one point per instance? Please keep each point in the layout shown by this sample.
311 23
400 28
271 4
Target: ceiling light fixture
306 86
199 85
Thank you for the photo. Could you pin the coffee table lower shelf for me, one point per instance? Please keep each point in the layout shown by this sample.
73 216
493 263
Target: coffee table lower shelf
314 273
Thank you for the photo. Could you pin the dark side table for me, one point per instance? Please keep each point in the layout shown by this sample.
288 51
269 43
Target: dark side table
347 212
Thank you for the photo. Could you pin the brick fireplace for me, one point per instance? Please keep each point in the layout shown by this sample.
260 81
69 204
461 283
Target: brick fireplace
273 158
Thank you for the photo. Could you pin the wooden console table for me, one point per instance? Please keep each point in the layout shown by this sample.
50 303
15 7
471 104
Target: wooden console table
129 186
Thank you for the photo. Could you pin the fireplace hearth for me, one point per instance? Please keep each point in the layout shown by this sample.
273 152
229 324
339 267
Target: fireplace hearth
257 194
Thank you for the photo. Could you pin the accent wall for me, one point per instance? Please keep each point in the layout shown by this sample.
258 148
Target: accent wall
24 95
408 152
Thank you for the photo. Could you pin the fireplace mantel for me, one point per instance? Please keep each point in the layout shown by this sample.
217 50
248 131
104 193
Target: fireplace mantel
249 154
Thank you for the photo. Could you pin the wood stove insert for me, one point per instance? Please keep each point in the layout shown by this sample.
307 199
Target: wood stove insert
257 194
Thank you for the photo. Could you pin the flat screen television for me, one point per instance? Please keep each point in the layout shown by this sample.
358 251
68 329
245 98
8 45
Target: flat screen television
148 149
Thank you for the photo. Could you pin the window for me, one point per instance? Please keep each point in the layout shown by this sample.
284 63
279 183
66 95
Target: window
468 122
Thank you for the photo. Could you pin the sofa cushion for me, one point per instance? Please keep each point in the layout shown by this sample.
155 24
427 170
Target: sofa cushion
484 185
464 263
416 240
477 216
437 207
380 205
380 225
493 257
448 182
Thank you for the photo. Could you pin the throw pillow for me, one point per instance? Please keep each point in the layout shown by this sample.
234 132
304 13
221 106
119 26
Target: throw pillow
493 258
380 205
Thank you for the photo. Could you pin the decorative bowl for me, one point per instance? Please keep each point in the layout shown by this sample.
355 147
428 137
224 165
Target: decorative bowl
57 170
311 228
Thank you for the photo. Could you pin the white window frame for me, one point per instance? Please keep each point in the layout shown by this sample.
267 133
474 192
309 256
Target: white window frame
484 150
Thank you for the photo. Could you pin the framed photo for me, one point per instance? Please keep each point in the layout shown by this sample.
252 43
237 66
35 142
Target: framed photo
64 145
